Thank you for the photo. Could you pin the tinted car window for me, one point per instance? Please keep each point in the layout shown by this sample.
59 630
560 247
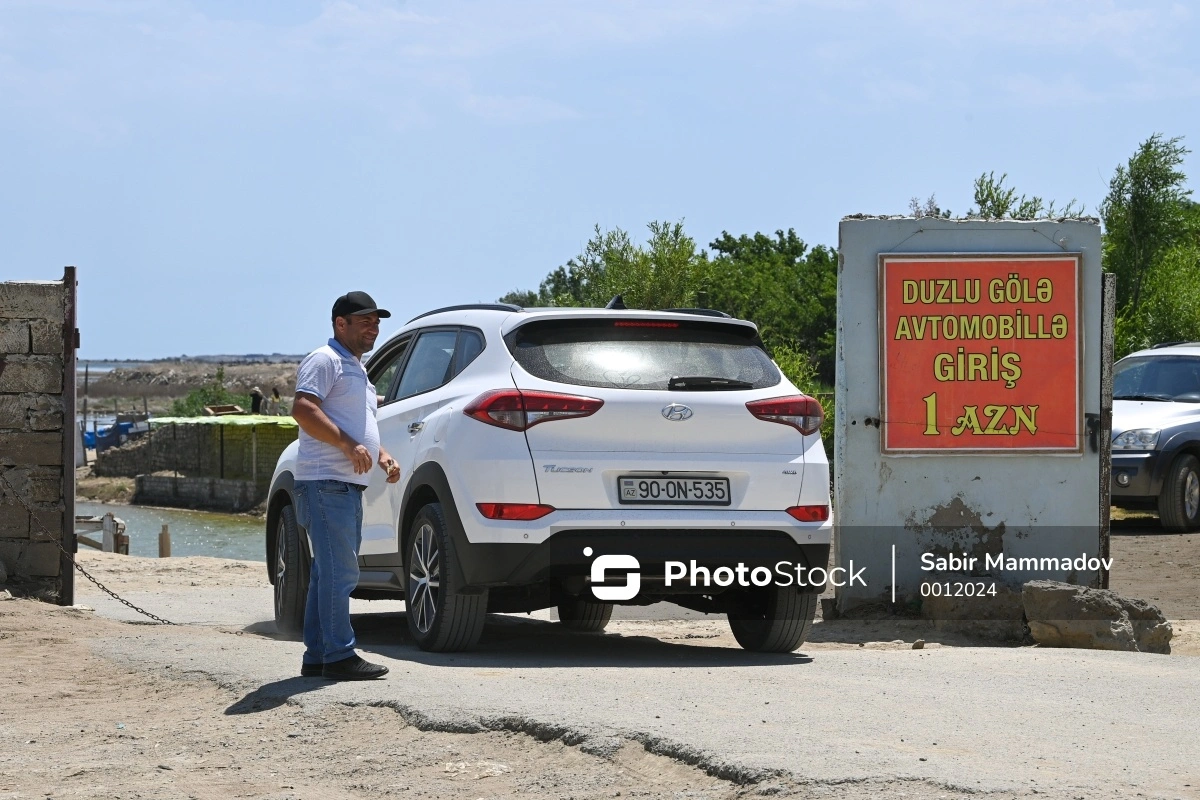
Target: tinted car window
1157 378
387 367
429 366
470 345
642 354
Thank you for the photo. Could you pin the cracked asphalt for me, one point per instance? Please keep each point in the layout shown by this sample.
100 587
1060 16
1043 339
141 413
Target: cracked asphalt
1016 721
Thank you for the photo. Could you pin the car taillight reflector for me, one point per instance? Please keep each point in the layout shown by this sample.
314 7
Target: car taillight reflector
643 323
810 513
799 410
522 511
519 410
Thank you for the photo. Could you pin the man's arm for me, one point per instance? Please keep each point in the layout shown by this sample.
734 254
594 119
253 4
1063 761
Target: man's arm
307 411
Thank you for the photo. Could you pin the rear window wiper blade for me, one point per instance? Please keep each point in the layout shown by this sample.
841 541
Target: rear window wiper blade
1160 397
705 383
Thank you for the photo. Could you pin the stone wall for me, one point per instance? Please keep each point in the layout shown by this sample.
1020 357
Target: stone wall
37 396
212 494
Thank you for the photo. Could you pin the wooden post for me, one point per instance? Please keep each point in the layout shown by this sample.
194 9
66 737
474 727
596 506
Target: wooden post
164 542
121 541
254 455
109 526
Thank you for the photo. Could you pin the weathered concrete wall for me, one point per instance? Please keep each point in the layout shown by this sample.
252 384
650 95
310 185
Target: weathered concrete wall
1023 506
212 494
37 392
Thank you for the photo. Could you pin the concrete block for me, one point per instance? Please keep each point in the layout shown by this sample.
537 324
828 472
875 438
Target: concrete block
13 411
45 413
10 557
33 300
14 522
40 560
31 448
43 524
45 485
14 336
32 374
47 336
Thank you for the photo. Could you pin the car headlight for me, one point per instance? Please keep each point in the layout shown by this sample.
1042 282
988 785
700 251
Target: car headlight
1137 439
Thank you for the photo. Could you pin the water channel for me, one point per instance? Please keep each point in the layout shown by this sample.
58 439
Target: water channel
193 533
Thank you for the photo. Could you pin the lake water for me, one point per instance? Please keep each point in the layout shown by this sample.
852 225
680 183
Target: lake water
193 533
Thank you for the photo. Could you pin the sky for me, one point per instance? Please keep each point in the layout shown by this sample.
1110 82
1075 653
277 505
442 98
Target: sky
219 171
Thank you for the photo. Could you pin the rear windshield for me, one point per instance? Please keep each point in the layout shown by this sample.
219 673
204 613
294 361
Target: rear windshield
643 354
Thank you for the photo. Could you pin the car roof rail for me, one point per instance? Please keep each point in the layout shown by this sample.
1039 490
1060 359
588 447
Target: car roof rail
470 307
704 312
1165 344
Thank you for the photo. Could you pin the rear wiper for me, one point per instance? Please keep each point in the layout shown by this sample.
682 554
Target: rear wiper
1159 397
704 383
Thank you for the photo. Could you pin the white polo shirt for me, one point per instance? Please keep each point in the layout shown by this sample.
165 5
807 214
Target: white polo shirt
338 379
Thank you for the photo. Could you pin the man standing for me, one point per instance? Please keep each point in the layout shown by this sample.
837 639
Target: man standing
335 406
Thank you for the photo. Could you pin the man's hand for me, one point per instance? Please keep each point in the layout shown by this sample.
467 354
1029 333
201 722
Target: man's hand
359 456
389 465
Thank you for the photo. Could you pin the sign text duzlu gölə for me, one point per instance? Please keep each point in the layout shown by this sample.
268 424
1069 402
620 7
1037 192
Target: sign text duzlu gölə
981 353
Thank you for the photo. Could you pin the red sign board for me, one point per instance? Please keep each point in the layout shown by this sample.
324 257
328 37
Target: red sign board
981 353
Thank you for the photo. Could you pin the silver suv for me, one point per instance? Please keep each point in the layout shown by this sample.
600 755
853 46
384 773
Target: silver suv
1156 433
534 442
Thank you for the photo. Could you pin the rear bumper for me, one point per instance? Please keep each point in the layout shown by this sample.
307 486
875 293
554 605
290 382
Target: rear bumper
687 521
562 555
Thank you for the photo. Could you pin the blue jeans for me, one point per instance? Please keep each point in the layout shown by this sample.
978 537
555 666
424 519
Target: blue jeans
331 512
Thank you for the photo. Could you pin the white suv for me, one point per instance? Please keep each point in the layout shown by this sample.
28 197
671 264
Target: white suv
534 441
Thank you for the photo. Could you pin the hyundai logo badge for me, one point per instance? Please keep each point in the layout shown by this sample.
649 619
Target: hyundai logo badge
676 412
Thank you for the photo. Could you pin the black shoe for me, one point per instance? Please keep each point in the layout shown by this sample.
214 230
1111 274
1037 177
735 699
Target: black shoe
311 670
353 668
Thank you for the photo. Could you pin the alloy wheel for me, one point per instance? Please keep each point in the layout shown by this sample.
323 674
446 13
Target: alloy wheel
1191 495
424 578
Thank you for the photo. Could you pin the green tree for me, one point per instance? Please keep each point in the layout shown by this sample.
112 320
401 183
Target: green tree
994 200
789 291
1151 243
667 272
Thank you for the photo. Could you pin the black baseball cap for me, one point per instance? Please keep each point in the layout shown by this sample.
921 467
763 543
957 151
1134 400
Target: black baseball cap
353 304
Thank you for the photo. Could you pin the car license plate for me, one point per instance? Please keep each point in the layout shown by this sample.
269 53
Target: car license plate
673 490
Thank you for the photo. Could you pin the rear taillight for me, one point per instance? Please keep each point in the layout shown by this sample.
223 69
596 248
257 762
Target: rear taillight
810 513
522 511
799 410
519 410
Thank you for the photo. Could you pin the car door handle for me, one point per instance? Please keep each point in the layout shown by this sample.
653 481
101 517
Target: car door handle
415 427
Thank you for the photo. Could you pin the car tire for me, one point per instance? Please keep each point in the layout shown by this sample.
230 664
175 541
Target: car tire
577 614
292 569
773 619
1179 502
441 618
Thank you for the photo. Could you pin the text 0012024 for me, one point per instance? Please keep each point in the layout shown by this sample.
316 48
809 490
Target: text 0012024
673 490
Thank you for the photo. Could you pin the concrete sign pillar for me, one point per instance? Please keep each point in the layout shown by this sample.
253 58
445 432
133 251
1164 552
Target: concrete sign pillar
966 445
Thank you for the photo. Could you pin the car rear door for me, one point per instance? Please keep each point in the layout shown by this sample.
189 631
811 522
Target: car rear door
657 443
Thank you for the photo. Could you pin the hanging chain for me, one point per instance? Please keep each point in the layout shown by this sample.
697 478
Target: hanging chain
57 540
